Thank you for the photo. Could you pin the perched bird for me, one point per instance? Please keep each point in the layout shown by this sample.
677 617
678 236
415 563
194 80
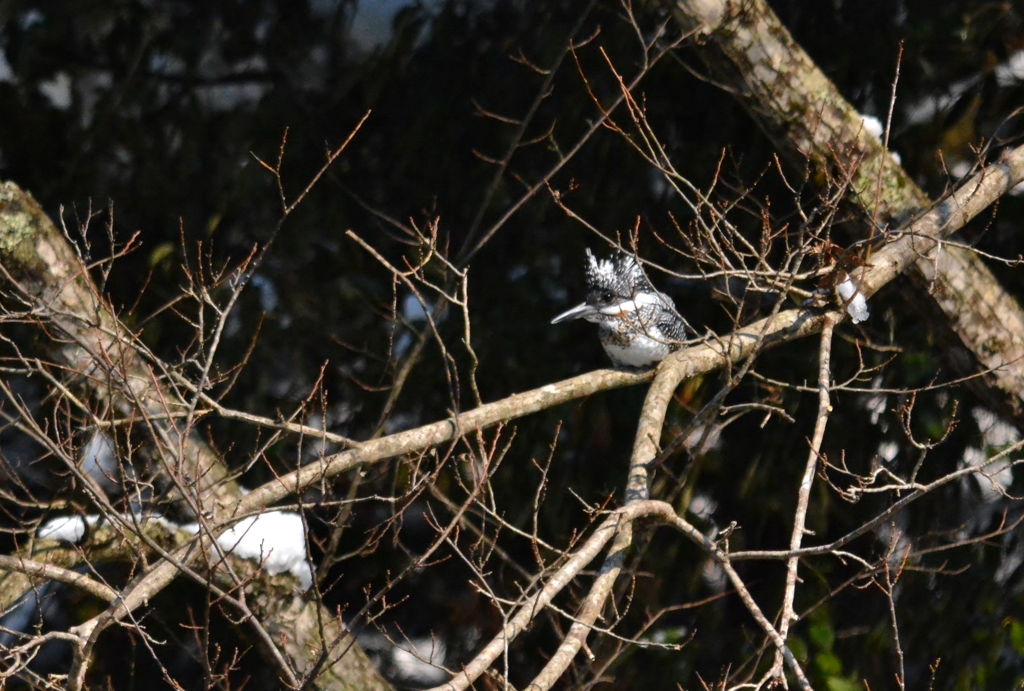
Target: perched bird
638 326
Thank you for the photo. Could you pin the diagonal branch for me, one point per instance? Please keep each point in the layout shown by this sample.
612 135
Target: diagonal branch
747 49
920 238
40 270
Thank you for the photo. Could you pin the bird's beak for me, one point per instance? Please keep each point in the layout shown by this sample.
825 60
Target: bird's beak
577 312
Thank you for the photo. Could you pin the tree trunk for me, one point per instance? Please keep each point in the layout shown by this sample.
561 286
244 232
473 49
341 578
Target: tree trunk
747 48
42 272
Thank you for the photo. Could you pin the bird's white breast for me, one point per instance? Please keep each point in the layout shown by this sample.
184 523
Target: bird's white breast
642 352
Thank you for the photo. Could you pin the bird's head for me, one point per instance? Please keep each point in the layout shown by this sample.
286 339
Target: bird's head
614 286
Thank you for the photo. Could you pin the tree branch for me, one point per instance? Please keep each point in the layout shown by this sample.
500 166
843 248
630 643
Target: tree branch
748 49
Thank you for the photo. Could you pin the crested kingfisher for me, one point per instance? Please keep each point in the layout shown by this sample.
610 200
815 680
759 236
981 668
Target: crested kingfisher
638 325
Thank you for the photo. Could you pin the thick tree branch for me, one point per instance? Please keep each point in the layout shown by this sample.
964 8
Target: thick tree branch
298 624
33 569
43 273
917 240
747 48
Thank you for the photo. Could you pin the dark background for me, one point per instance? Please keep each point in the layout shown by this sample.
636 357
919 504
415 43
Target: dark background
160 110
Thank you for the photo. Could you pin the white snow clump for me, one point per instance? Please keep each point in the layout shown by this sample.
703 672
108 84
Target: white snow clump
856 303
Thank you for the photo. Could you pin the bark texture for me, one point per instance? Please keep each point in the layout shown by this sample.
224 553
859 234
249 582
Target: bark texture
43 277
747 48
46 275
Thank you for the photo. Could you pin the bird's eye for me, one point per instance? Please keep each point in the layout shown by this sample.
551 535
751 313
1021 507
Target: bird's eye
607 296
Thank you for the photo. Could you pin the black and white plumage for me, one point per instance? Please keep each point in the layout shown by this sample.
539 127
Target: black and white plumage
638 326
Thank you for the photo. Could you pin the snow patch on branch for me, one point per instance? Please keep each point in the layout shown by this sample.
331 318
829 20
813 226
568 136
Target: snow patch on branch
856 303
277 539
65 528
872 126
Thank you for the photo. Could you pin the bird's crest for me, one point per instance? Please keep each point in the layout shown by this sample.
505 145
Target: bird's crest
621 275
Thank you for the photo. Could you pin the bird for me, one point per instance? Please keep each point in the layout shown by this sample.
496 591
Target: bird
638 326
